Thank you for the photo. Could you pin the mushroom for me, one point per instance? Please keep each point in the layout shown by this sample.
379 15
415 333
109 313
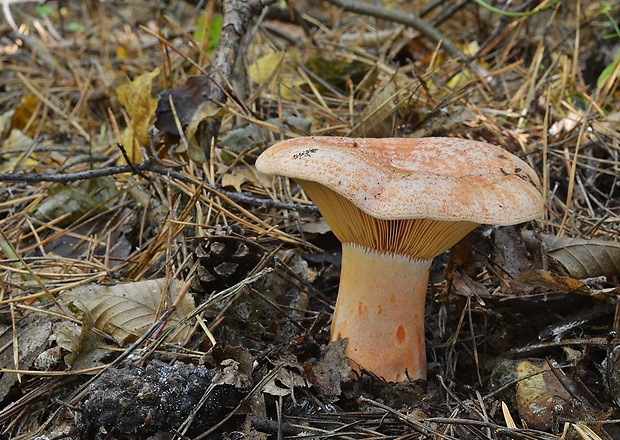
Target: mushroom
395 204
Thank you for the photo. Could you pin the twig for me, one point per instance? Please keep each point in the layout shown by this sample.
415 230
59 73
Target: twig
409 421
397 16
7 12
130 163
237 16
412 20
239 197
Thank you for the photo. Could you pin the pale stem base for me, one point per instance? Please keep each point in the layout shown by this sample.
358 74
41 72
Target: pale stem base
380 309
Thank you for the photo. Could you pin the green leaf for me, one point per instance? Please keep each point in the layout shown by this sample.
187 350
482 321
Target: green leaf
609 70
43 10
213 31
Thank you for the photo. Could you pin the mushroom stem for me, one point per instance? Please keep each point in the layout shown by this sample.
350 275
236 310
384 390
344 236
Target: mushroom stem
380 309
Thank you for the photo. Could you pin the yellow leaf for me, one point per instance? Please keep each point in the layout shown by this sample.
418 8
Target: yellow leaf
135 96
23 114
121 53
278 71
239 175
17 141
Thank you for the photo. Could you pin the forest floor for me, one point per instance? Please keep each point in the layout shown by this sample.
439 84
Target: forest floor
155 285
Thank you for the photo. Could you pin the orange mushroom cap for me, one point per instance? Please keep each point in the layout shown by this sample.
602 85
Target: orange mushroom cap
446 179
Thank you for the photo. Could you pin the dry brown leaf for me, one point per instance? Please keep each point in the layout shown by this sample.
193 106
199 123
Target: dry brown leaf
126 311
284 383
286 379
186 98
543 281
330 370
582 258
17 140
509 252
231 374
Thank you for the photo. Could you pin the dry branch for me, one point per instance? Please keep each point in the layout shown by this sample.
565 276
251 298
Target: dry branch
243 198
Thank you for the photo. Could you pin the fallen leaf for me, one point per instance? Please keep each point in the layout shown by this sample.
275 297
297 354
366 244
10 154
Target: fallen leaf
186 99
330 370
377 118
23 114
278 72
541 397
206 111
20 142
509 253
543 281
284 382
85 348
582 258
317 227
337 72
135 96
126 311
465 286
87 197
231 374
237 176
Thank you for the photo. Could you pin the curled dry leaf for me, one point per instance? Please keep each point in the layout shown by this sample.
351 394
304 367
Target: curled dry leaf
543 281
232 374
582 258
204 112
126 311
186 99
286 379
